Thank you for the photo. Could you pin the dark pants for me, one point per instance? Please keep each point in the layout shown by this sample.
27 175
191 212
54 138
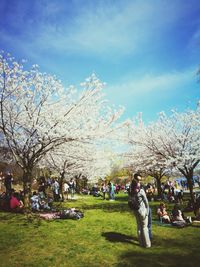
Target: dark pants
8 187
150 223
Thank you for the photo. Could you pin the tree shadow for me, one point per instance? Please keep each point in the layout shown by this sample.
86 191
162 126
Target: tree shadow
164 252
118 237
138 259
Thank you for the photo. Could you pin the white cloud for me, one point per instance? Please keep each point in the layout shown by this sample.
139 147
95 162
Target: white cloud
150 93
109 29
155 84
118 29
106 28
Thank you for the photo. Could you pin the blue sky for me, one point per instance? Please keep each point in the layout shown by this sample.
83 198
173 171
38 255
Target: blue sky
147 52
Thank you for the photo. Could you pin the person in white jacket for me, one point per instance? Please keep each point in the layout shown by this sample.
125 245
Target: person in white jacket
140 207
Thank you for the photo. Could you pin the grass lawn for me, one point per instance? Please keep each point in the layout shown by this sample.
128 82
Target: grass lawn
106 236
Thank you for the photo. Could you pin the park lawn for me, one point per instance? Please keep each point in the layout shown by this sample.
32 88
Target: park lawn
106 236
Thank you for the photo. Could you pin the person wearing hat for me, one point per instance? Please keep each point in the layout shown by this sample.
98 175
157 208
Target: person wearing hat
140 206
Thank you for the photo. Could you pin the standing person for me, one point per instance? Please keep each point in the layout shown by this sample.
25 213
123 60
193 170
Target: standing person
56 189
42 185
72 187
104 190
66 189
8 183
138 202
1 181
111 188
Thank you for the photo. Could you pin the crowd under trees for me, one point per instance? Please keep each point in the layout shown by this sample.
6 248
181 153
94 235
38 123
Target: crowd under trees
74 131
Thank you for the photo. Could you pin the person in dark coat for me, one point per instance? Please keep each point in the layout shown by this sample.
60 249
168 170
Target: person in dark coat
8 183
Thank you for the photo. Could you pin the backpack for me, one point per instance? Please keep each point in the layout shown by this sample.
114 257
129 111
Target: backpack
134 200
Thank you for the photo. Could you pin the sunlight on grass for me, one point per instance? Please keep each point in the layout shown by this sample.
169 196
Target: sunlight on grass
106 236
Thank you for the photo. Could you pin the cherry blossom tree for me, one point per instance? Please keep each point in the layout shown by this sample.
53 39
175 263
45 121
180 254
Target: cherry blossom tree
75 159
173 141
142 160
38 114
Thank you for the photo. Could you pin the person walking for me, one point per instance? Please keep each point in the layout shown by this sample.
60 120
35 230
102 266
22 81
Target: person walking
138 202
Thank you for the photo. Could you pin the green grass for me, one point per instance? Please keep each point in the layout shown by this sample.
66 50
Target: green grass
106 236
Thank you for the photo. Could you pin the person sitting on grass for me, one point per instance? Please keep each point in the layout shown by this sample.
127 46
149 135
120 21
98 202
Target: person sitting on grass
189 206
178 218
35 204
16 205
171 197
162 213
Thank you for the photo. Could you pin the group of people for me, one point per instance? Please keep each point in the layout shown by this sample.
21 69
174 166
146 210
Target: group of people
138 202
107 190
172 196
12 201
55 187
176 217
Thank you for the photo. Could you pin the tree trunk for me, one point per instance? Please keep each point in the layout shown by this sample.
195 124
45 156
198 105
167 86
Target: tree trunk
78 188
190 186
189 176
158 183
27 179
85 182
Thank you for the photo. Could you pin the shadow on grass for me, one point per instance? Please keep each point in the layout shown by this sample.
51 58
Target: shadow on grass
118 237
164 252
138 259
